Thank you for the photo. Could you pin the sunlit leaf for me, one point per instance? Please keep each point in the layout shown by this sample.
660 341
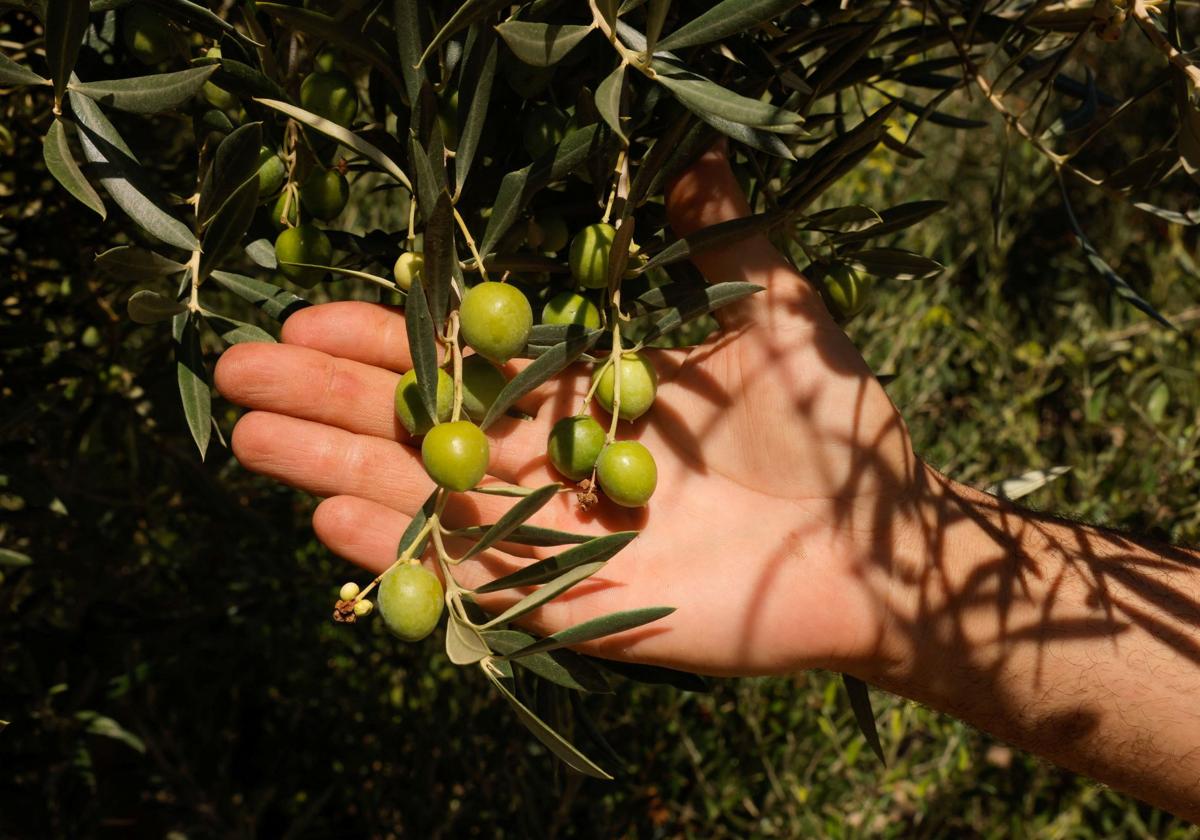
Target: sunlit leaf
597 549
66 23
147 307
422 345
129 262
236 332
1026 483
60 162
12 73
541 44
192 378
595 628
725 19
544 593
514 516
275 302
860 702
147 94
541 370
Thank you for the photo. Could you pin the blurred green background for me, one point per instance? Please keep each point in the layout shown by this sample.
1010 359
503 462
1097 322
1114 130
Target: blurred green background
167 663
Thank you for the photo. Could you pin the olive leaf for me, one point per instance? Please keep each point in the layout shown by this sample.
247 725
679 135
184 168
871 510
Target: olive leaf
893 262
242 79
416 526
514 516
277 303
546 592
539 371
192 378
147 94
408 18
892 220
463 644
60 162
554 742
724 19
595 628
122 176
860 702
526 535
608 100
466 14
510 201
704 96
422 345
235 162
541 44
343 135
655 675
335 31
262 251
595 550
561 667
441 255
66 23
692 304
12 73
147 307
228 225
236 332
712 236
1025 483
475 91
127 261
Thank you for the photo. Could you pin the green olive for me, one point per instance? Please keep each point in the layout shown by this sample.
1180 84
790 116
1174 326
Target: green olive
571 308
146 35
639 383
408 268
271 173
455 455
482 383
574 445
324 193
303 244
411 601
277 210
548 232
410 409
589 255
496 319
330 95
543 129
846 291
627 473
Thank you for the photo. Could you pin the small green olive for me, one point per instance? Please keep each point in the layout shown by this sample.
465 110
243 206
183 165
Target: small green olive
455 455
548 232
146 35
271 173
544 127
573 446
348 591
589 255
330 95
496 319
482 383
363 608
324 193
411 601
639 384
627 473
303 244
408 268
410 409
846 291
277 210
571 308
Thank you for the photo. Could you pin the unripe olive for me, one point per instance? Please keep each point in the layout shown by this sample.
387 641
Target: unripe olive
627 473
482 383
330 95
410 409
571 308
846 291
348 591
326 61
324 193
574 445
271 173
217 96
408 268
639 383
543 129
303 244
589 255
496 319
448 120
363 608
411 601
455 455
548 232
146 35
277 210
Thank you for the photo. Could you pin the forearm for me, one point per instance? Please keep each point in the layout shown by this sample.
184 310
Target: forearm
1080 645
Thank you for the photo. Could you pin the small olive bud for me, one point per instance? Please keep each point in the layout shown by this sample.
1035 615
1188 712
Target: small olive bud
349 591
363 608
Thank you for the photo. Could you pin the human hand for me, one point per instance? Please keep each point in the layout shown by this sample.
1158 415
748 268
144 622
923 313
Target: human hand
784 469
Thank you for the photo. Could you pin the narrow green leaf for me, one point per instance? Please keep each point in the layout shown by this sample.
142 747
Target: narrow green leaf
704 96
714 235
242 79
561 667
262 251
235 161
618 255
655 675
124 178
724 19
343 135
463 645
527 535
475 89
66 23
192 378
275 302
554 742
586 631
147 94
228 226
408 17
422 345
1026 483
513 517
510 201
335 31
467 13
537 372
860 702
416 526
14 559
893 219
203 19
608 100
596 550
441 256
541 44
893 262
237 332
61 164
12 73
146 307
544 593
98 724
126 261
1189 130
853 217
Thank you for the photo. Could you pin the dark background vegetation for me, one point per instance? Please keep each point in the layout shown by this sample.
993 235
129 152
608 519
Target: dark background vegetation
167 663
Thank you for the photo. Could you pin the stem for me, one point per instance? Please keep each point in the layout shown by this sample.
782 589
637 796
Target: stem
456 360
406 556
412 222
462 225
630 57
1141 13
615 357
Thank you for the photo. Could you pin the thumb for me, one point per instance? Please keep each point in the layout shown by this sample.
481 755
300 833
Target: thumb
707 193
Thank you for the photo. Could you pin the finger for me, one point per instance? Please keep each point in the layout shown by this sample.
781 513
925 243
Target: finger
377 335
707 193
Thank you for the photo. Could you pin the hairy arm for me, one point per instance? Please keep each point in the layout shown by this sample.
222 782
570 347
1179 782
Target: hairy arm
1078 644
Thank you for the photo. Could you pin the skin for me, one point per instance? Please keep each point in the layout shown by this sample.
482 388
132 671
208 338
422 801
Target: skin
793 526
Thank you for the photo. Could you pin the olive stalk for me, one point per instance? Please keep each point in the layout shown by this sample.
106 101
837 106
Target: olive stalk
462 225
615 360
456 363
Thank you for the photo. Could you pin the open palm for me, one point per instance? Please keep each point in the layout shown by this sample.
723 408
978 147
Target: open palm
782 466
